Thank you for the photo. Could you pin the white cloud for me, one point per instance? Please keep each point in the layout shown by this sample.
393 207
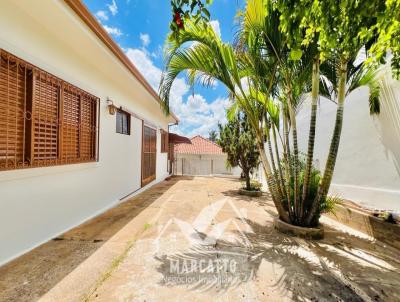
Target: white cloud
113 7
245 84
115 31
199 117
102 15
145 38
158 52
142 62
215 25
195 114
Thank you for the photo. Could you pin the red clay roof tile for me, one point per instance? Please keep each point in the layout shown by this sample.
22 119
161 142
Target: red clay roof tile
198 145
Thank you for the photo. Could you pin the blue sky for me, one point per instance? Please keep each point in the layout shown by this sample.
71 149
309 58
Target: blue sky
140 27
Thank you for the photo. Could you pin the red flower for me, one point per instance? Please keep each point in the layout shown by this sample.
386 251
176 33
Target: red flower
178 20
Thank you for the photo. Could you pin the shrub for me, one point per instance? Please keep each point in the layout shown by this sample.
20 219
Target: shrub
255 185
327 204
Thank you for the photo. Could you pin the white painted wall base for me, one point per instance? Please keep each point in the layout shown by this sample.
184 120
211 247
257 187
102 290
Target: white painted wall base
202 164
369 197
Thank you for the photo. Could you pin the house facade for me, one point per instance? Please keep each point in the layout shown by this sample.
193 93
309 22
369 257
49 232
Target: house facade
80 128
200 156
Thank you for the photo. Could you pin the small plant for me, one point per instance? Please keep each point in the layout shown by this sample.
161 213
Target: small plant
327 205
388 217
147 226
255 185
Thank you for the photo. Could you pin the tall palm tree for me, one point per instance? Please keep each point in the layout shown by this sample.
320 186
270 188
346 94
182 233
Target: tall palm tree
277 75
261 62
268 85
207 59
213 135
339 79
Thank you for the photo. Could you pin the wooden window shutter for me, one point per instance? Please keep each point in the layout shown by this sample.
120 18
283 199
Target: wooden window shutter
88 127
15 80
70 123
43 120
45 107
149 156
164 141
153 152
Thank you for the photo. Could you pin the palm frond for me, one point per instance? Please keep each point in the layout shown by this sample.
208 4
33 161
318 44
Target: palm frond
205 60
367 76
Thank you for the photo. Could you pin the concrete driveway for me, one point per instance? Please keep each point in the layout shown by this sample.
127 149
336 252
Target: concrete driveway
195 239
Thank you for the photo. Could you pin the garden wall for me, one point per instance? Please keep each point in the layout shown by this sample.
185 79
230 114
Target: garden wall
377 228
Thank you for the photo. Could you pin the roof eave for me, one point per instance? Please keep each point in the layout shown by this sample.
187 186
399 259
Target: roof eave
86 16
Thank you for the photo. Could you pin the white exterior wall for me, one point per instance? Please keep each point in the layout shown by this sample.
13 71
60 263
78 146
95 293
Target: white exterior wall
368 165
200 164
40 203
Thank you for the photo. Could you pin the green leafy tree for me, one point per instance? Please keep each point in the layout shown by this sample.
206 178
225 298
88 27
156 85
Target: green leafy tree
213 136
387 30
340 29
340 32
188 9
282 48
237 140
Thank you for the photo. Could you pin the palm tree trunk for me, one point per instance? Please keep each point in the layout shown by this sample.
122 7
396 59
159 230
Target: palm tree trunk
278 159
283 215
292 116
288 163
311 135
334 147
284 185
271 155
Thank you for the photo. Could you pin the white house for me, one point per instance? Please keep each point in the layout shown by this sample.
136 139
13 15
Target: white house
200 156
80 128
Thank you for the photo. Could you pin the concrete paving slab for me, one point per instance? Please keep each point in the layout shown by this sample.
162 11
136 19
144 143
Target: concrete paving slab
196 239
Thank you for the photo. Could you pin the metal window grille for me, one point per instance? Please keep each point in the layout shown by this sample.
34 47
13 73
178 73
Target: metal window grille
45 116
44 121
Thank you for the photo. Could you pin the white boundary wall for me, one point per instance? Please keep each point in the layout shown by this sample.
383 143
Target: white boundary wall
39 204
202 164
368 166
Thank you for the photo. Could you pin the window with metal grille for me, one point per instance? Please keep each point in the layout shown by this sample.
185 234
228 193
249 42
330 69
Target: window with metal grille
123 122
45 117
44 121
164 141
149 155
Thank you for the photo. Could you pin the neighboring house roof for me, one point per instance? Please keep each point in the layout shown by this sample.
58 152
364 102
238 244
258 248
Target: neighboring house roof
198 145
178 139
82 11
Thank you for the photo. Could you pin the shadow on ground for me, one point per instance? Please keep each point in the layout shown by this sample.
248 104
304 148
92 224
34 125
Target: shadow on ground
341 267
32 275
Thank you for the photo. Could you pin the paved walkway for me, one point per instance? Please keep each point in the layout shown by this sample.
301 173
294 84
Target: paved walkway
195 239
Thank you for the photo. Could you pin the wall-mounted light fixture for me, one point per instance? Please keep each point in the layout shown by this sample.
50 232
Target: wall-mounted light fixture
111 107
